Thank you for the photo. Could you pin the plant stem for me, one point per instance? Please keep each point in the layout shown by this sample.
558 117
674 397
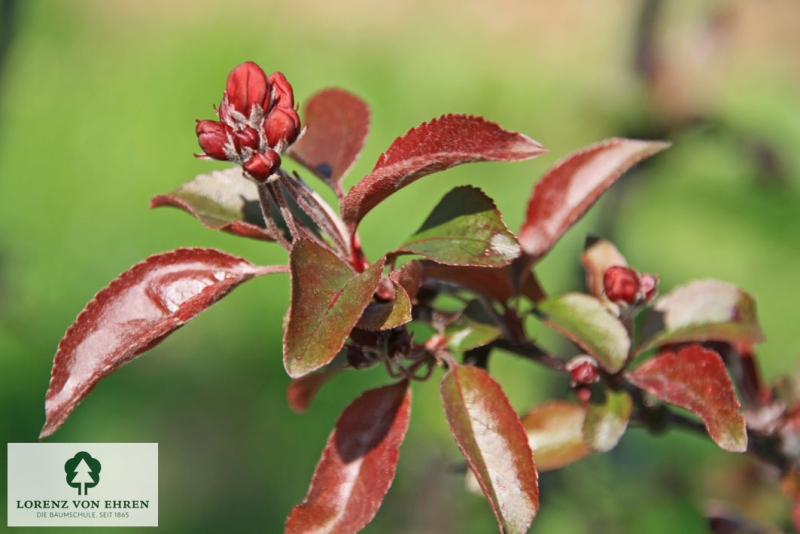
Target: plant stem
531 352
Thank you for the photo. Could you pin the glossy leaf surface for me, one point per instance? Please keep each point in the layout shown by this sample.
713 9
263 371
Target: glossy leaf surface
492 439
431 147
587 322
707 310
221 200
570 188
385 315
555 434
327 300
357 465
606 422
133 314
696 379
597 257
337 123
465 228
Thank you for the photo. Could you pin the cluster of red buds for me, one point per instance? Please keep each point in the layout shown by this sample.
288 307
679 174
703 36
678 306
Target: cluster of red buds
257 123
623 285
583 372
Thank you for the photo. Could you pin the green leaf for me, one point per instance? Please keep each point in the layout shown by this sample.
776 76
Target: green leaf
386 315
706 310
328 298
606 423
465 228
491 438
589 324
221 200
473 328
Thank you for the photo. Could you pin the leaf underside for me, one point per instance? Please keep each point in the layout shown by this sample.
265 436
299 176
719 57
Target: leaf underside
696 379
327 300
491 438
431 147
133 314
386 315
357 465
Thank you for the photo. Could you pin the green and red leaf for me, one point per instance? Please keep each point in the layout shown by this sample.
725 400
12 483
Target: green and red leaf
555 434
491 438
135 313
606 422
221 200
386 315
465 228
588 323
696 379
431 147
327 300
706 310
357 465
570 188
337 123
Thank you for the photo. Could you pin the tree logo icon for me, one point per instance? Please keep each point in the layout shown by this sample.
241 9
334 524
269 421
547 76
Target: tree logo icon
82 470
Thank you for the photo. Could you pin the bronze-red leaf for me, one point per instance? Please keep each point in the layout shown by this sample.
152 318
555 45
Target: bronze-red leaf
337 123
328 298
570 188
696 379
133 314
357 465
492 439
431 147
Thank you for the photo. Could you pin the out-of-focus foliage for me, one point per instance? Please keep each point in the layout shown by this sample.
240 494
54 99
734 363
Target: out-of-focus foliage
97 109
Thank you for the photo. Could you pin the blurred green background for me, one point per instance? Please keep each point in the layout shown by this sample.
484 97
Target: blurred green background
97 107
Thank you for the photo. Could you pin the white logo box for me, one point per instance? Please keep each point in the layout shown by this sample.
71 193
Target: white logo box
83 484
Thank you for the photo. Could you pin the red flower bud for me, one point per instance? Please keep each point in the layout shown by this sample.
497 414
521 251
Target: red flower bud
649 286
282 125
212 137
583 371
621 284
246 138
247 85
283 95
262 166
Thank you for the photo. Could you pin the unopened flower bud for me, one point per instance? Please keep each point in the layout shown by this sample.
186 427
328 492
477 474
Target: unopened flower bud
246 138
262 165
212 137
621 284
583 371
282 93
649 286
281 126
247 85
